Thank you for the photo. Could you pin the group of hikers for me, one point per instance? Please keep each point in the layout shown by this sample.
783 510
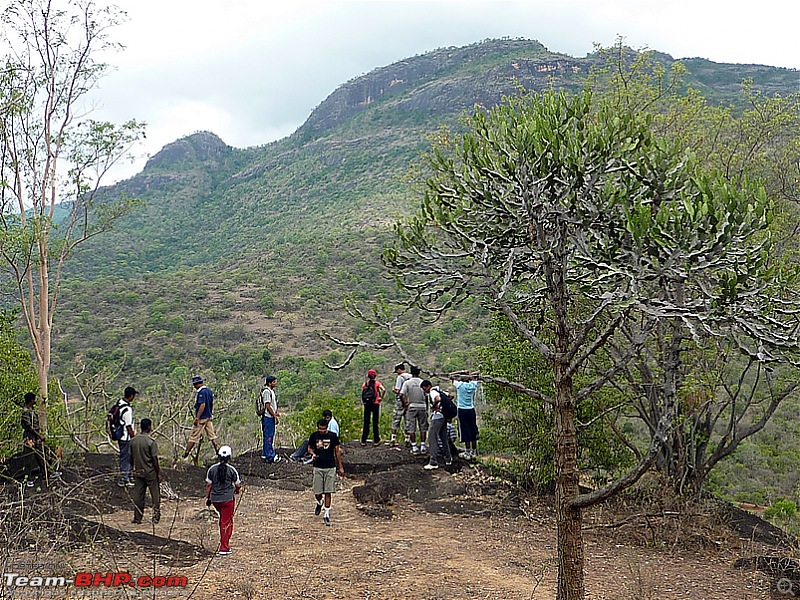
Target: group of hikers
426 409
140 469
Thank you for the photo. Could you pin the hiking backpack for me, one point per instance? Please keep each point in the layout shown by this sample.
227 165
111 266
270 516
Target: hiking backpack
114 425
447 407
368 392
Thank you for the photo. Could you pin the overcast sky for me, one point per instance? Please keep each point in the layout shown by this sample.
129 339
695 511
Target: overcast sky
252 71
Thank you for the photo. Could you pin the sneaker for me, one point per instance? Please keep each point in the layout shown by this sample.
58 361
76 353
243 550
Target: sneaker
121 483
318 509
130 484
277 459
465 455
378 443
135 522
448 463
29 483
225 552
363 443
430 467
327 521
423 449
308 461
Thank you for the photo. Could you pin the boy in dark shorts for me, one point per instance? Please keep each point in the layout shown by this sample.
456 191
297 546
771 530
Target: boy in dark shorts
327 459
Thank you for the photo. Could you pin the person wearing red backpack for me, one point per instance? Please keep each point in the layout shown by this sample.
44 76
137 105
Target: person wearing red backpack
372 392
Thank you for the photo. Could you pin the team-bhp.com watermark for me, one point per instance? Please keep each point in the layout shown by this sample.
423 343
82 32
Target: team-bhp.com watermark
94 580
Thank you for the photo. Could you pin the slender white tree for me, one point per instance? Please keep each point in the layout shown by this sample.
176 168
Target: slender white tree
53 157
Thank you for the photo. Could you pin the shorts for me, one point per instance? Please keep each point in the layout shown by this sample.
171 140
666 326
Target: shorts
416 416
324 480
398 413
468 424
202 425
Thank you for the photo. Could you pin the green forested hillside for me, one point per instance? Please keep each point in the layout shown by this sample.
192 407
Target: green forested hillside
236 256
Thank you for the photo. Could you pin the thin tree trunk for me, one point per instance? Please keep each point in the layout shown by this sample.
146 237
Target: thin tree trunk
568 519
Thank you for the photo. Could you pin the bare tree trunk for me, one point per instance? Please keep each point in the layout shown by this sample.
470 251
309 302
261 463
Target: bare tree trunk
568 518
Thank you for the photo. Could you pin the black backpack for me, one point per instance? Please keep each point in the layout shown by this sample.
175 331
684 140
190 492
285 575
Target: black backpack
114 425
447 406
368 393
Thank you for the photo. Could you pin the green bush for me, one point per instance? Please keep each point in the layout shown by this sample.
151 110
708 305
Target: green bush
349 414
782 510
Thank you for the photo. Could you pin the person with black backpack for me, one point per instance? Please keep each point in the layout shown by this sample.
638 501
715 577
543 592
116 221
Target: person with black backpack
372 392
119 422
438 442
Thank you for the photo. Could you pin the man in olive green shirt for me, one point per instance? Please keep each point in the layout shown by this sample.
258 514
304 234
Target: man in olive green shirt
146 472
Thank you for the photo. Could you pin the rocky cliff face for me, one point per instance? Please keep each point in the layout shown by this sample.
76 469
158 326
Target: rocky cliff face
446 81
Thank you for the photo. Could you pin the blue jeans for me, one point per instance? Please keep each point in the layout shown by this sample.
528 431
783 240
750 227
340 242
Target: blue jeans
301 451
268 428
125 460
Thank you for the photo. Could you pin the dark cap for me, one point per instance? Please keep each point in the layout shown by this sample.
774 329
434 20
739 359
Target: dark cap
197 379
130 392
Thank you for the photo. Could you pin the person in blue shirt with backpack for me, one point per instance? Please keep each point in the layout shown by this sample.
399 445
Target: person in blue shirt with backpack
203 415
467 417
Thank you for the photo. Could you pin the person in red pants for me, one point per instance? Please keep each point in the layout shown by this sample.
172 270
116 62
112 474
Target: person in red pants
222 483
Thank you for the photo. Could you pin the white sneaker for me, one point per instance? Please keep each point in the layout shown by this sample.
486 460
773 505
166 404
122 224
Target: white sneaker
430 467
276 459
423 448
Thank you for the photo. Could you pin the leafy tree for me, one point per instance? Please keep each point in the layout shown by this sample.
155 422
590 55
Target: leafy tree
575 213
52 157
728 320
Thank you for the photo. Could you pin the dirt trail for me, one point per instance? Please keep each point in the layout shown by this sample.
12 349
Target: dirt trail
436 545
282 550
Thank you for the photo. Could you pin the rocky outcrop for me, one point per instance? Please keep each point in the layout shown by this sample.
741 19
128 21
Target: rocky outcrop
203 147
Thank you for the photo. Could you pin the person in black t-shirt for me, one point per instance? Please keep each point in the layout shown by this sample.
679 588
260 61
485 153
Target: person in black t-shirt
327 458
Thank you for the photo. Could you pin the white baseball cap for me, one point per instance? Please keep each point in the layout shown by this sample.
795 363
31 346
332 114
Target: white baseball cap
225 452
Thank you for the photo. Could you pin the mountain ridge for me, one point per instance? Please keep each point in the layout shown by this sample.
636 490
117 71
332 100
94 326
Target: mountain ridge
257 247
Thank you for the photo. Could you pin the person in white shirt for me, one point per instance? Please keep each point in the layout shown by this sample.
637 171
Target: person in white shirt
399 412
269 418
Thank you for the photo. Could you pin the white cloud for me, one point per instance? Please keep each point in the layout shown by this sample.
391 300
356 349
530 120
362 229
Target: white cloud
253 70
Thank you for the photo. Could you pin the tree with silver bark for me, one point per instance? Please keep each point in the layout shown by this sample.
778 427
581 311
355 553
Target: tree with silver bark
52 156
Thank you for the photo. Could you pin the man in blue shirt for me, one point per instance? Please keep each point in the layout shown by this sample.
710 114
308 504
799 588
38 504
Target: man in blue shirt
203 414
